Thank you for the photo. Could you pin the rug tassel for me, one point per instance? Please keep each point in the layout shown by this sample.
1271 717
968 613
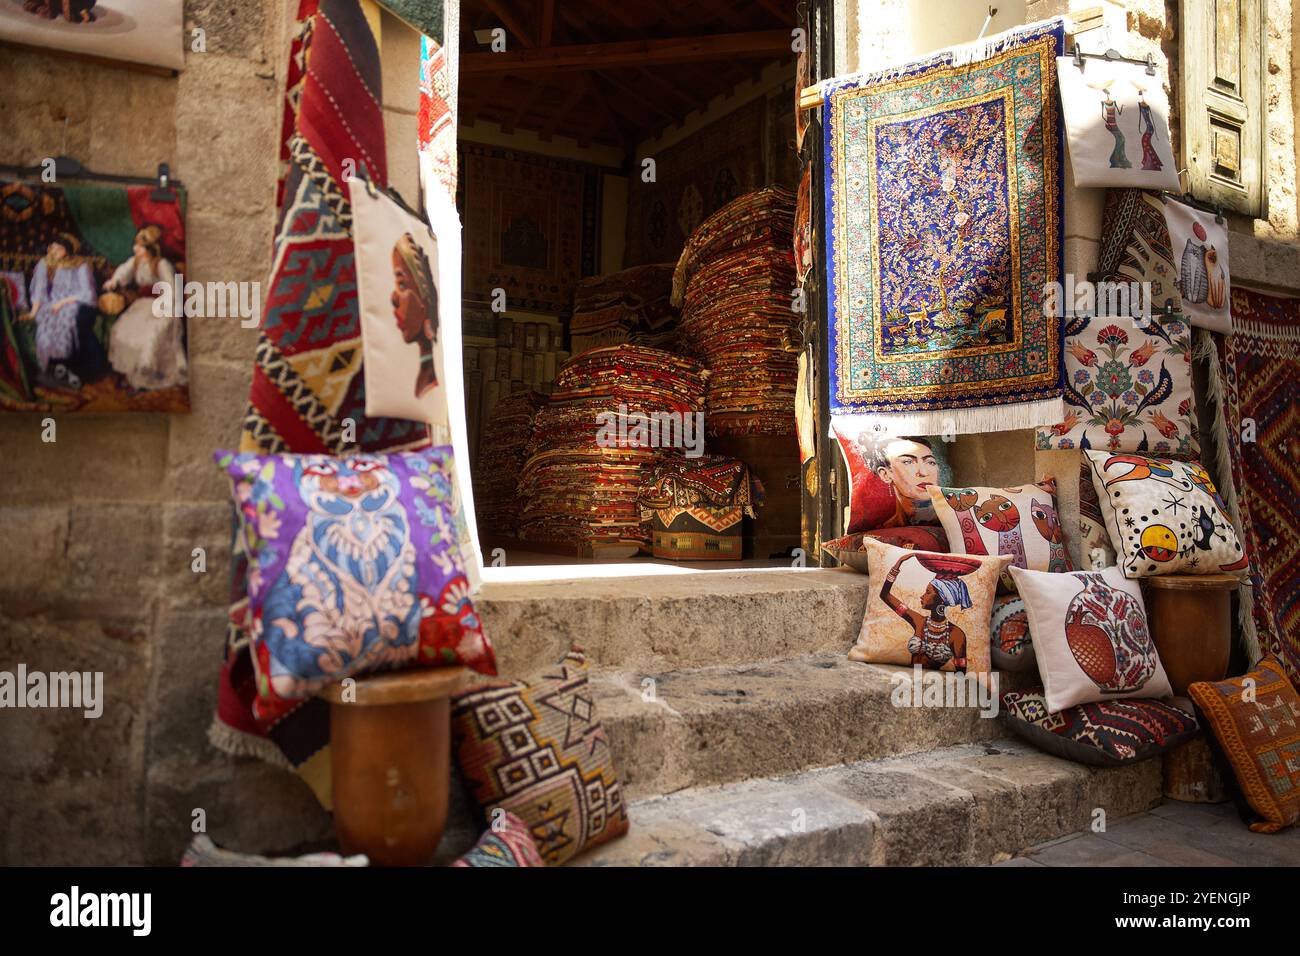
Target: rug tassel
1207 353
957 421
963 55
236 743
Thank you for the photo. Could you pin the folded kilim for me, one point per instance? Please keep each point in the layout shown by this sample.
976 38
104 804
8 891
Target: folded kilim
735 281
583 479
1258 419
307 380
503 449
628 306
944 198
713 481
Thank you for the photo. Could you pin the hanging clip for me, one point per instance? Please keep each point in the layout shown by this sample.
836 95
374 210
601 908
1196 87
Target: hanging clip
1151 64
1218 214
993 12
164 192
1078 57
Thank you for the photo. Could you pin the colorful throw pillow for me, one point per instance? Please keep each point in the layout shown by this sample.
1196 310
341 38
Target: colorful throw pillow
889 476
1103 734
1199 243
1256 720
1164 516
1021 523
537 749
1094 542
928 608
1116 122
1128 387
1011 645
851 550
353 566
507 842
1090 636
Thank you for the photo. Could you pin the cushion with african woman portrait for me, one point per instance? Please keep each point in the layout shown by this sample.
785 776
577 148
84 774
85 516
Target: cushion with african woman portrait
353 566
404 320
928 608
1090 636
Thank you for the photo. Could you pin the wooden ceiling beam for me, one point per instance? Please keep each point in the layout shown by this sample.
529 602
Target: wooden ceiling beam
782 11
688 103
546 32
632 94
718 48
576 93
512 23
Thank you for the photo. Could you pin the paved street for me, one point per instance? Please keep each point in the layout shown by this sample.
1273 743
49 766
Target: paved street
1173 834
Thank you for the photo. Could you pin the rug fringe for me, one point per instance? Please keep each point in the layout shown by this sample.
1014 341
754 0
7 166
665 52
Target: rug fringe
963 55
957 421
236 743
1206 352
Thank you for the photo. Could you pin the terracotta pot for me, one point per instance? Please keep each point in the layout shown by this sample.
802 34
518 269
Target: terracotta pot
390 749
1190 616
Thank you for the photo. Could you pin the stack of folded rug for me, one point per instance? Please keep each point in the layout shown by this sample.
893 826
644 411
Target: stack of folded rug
502 451
629 306
734 283
587 466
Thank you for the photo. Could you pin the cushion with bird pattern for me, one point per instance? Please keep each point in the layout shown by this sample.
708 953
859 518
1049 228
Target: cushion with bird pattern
1164 516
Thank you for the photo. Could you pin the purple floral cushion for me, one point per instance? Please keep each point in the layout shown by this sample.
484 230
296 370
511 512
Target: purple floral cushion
353 566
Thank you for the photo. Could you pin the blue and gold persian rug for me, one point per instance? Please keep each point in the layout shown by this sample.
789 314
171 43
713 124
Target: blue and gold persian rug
943 181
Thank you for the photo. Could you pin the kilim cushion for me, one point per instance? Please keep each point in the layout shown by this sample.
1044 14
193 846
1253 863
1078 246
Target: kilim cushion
507 842
1090 636
928 609
1256 720
1103 734
537 749
354 566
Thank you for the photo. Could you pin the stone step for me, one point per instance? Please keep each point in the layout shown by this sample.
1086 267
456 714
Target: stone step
669 620
691 727
968 804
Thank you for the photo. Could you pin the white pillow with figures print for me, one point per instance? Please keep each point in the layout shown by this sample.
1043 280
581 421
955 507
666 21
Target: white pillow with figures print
1090 636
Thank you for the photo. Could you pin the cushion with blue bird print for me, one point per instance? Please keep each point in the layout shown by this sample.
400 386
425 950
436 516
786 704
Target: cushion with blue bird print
1128 387
1165 516
353 567
1021 522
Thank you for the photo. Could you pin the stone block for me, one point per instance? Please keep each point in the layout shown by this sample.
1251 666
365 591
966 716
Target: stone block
219 397
95 458
228 166
235 29
400 59
249 806
225 249
113 555
402 141
41 560
190 526
187 657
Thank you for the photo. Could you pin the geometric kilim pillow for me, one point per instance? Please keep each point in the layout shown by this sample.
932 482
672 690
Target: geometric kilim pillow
1256 720
508 842
1164 516
1104 734
536 749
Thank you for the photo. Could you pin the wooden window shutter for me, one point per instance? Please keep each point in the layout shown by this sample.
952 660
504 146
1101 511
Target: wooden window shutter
1223 102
